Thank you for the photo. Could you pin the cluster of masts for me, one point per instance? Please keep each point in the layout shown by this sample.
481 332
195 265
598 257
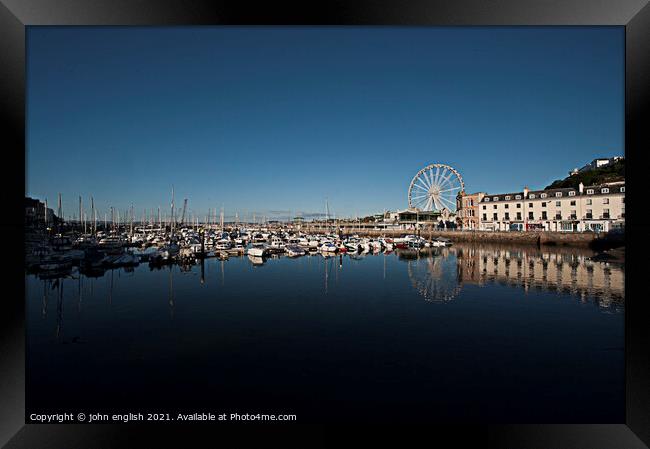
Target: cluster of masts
91 221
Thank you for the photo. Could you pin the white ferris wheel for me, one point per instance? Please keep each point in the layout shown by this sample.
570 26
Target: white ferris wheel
435 188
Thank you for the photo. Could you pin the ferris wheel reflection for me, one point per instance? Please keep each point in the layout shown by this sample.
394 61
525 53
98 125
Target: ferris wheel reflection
434 274
439 274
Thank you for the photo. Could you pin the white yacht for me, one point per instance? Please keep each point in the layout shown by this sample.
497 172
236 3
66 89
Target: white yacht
277 243
258 250
352 244
294 251
223 245
328 247
441 241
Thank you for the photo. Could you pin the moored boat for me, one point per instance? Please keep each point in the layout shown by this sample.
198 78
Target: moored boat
258 250
328 247
294 250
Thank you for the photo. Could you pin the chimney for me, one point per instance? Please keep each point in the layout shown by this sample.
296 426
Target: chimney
525 191
581 187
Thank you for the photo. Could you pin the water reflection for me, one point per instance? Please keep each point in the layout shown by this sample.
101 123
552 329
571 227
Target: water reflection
433 274
436 274
424 311
256 260
439 274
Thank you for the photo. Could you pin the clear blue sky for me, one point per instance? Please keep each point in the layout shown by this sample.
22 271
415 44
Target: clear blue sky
276 120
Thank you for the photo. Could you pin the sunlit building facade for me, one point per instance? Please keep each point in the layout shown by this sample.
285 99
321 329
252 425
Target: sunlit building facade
467 210
594 208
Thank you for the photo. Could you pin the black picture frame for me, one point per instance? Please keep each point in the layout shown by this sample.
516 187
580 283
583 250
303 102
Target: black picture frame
15 15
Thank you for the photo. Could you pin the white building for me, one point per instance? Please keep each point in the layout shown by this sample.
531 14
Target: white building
593 208
600 162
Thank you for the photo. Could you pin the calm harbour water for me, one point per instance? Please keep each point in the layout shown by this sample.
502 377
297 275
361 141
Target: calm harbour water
490 333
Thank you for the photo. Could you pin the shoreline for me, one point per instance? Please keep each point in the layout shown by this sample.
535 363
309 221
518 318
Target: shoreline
595 241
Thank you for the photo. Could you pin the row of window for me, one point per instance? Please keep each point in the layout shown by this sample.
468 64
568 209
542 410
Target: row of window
558 215
557 203
557 194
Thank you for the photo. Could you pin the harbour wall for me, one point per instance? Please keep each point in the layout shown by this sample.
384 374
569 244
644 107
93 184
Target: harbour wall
538 238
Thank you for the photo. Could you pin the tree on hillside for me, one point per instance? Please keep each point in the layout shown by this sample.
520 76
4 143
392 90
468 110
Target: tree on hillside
609 173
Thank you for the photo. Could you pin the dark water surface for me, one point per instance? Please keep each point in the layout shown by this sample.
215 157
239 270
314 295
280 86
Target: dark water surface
490 333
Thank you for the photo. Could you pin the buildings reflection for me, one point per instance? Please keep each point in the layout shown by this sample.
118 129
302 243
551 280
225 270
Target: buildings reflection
439 274
436 274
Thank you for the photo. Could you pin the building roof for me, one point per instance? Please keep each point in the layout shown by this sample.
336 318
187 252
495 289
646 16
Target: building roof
613 188
417 211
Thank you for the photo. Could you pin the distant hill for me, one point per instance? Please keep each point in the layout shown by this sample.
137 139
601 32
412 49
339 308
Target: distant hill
609 173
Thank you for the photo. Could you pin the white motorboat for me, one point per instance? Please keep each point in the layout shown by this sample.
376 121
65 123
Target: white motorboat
352 244
165 253
375 245
61 243
277 243
415 244
112 241
328 247
365 245
294 250
388 244
85 241
441 241
223 245
258 250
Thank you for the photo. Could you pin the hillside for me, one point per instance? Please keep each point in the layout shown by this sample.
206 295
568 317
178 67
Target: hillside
610 173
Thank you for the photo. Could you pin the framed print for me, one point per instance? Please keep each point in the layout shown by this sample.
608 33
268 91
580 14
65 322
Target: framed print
233 219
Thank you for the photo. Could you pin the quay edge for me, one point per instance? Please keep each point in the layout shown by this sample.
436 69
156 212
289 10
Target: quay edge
539 238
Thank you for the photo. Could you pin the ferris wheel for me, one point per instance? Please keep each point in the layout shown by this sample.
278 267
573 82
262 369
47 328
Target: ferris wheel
435 187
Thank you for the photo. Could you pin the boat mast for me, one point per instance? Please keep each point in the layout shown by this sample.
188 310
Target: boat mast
94 216
59 212
171 220
80 212
327 214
